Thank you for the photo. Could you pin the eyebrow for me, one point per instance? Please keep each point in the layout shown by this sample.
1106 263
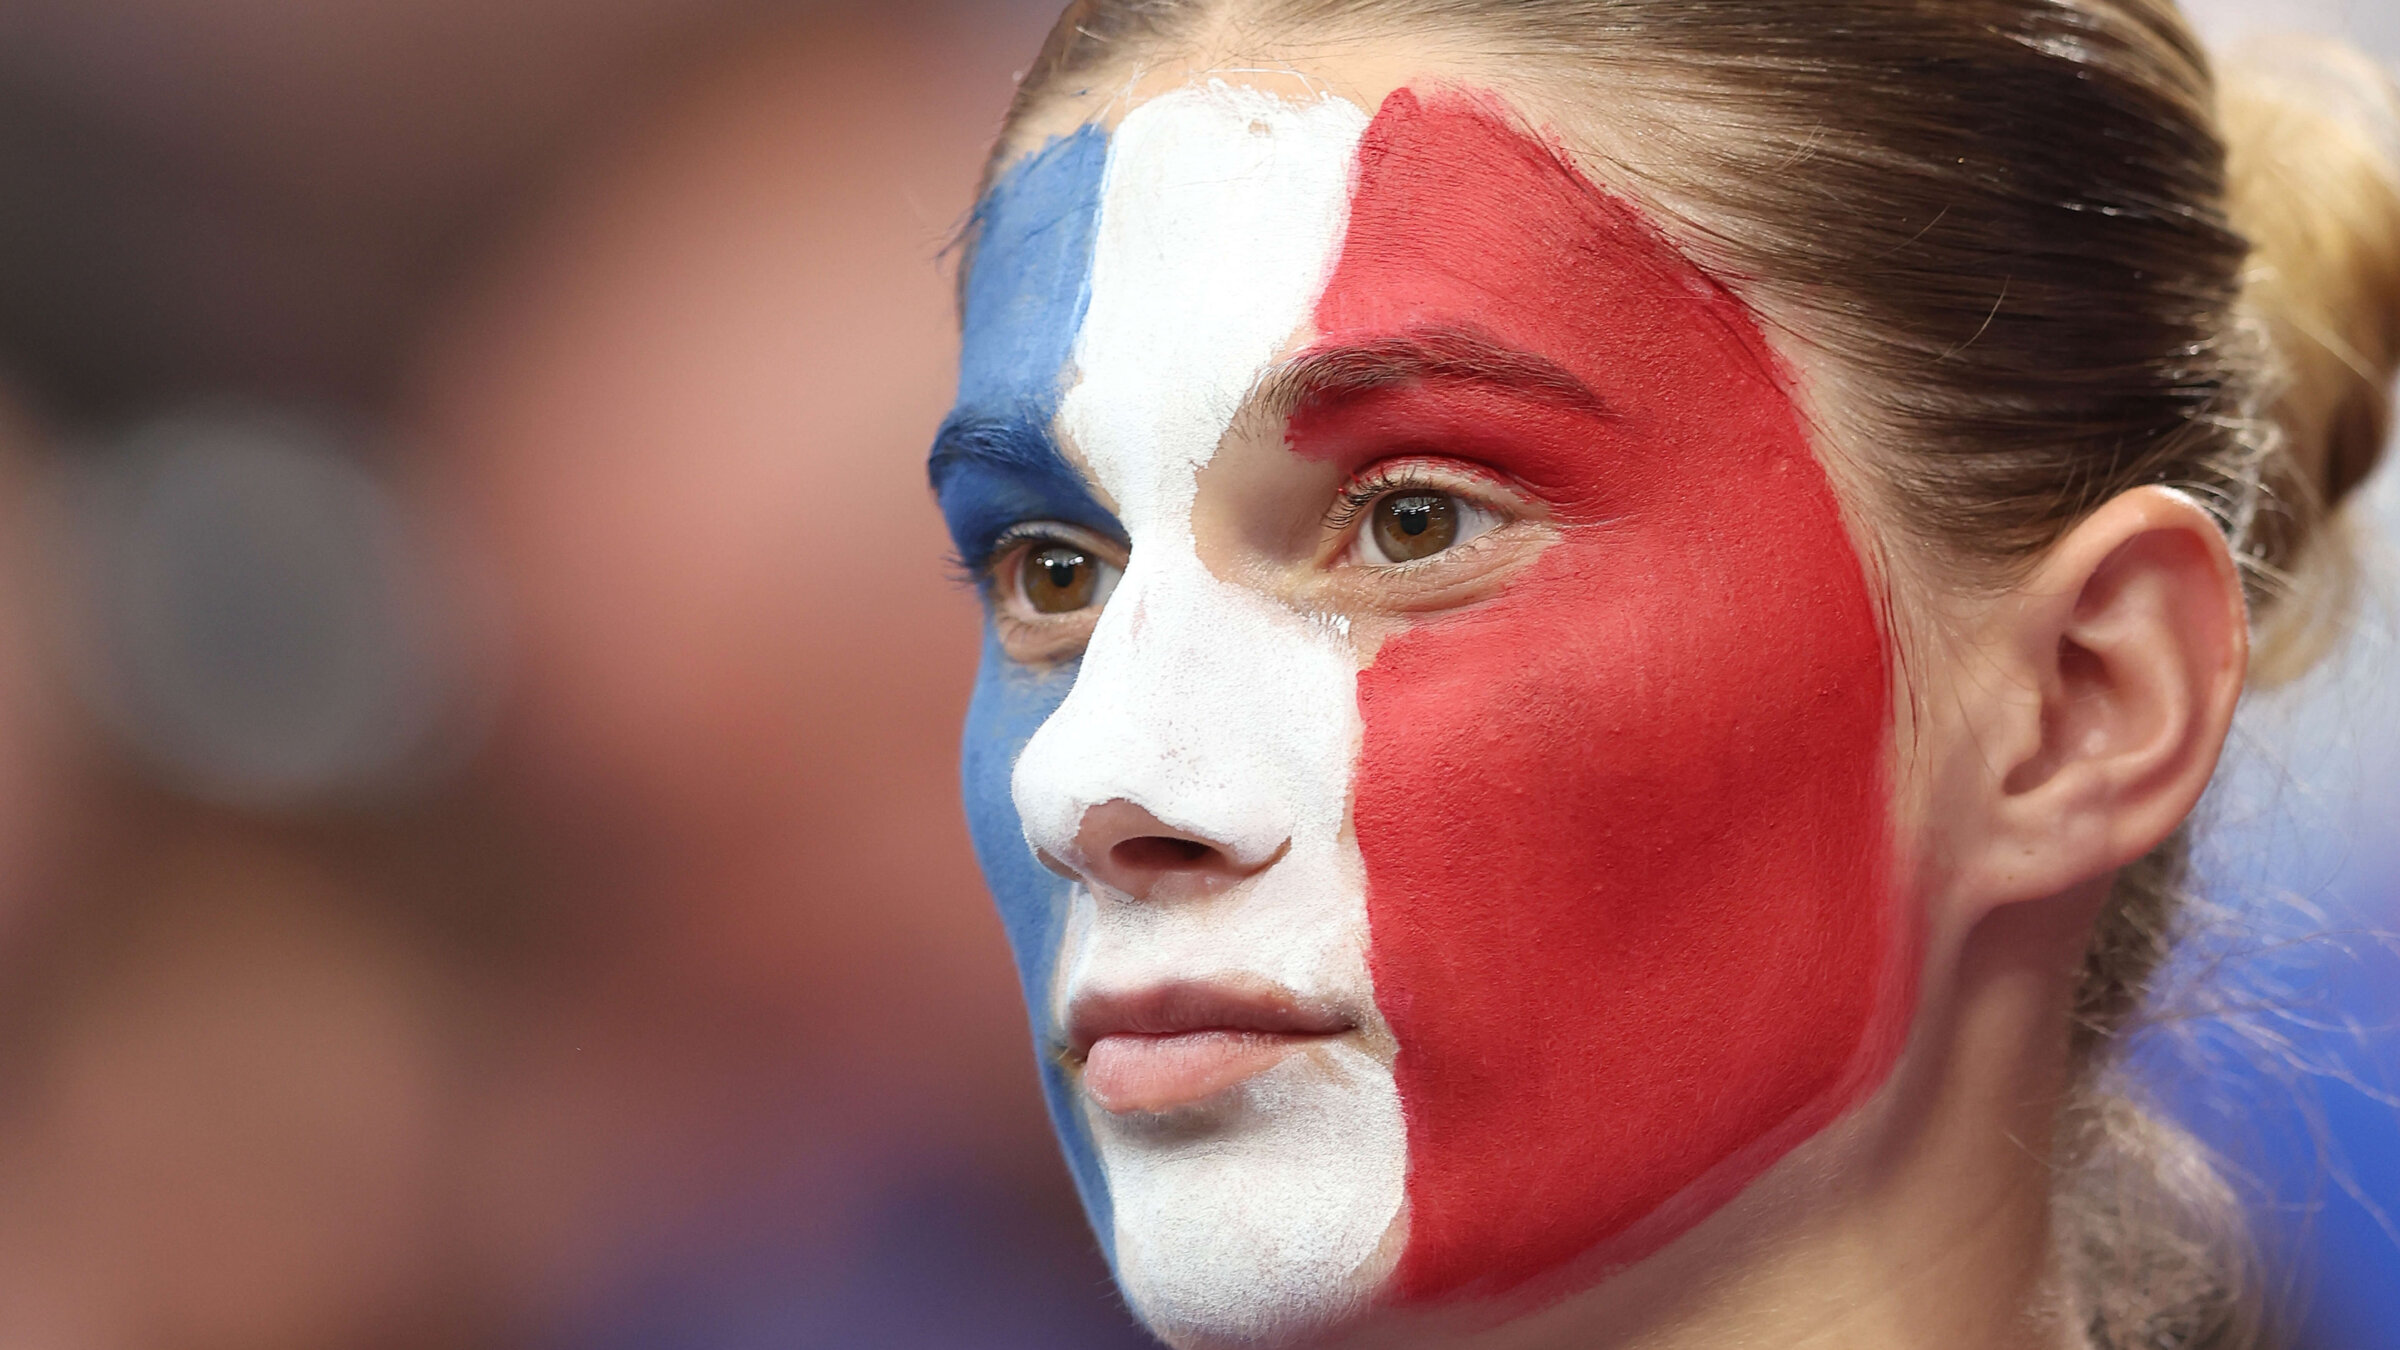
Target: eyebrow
991 471
1006 444
1420 354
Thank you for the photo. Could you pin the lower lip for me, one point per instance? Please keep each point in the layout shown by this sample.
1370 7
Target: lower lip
1128 1073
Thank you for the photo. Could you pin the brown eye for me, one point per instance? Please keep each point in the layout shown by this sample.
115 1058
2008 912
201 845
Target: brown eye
1407 526
1060 579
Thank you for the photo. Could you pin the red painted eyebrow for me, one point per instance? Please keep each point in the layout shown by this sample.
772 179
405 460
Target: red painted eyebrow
1416 356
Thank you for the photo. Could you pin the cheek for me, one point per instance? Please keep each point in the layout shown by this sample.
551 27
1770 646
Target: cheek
1624 832
1010 704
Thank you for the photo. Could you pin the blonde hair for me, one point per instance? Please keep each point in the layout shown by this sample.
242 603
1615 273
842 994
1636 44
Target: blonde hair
2063 261
2313 181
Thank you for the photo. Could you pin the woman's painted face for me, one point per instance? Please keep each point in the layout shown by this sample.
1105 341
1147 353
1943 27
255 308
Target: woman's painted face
1430 752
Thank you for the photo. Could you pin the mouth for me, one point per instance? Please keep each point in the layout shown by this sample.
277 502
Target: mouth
1180 1044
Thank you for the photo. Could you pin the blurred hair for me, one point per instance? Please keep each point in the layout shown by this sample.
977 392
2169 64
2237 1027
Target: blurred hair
2059 261
2313 181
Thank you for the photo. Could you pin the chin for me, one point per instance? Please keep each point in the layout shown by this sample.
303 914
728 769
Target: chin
1270 1216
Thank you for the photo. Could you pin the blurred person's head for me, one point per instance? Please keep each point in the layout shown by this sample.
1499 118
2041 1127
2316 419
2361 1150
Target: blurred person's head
1602 623
668 415
392 1055
717 328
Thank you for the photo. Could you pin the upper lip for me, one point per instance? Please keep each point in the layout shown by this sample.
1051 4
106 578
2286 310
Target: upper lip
1193 1005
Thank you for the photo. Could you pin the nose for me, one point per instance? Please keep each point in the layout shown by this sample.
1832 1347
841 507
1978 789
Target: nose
1123 847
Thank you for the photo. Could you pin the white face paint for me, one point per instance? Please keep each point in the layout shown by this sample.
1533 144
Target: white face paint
1275 1208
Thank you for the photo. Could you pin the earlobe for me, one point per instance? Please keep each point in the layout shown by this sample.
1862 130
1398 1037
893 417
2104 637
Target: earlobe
2128 646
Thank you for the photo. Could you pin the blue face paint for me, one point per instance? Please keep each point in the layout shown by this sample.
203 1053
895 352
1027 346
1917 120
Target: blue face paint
1011 702
996 464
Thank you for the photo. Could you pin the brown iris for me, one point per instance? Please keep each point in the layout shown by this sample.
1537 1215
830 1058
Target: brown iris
1413 525
1059 578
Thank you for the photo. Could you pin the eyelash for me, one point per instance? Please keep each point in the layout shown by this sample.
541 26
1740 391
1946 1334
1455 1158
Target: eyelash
1363 493
1009 542
1355 500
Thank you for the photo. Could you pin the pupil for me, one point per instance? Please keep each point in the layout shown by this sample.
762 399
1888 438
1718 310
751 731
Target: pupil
1414 525
1059 580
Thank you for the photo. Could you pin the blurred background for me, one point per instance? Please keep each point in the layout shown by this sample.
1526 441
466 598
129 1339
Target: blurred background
479 858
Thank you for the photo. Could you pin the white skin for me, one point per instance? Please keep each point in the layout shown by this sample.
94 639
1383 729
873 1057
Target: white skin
2056 727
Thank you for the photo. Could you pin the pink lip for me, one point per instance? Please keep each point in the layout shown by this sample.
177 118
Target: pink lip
1180 1044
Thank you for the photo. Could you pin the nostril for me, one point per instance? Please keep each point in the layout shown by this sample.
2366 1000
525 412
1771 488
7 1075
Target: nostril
1160 853
1120 847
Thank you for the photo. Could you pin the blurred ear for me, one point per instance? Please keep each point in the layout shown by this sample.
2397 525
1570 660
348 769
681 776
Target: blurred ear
2122 657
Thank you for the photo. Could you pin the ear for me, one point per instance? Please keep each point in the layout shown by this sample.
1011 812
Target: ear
2122 658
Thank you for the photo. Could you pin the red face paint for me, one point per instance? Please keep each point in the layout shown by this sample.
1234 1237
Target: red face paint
1625 825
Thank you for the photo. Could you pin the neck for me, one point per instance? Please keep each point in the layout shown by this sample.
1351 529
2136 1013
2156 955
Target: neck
1922 1220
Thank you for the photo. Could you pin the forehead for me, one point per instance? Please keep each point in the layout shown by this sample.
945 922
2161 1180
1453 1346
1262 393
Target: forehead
1029 281
1128 285
1202 184
1222 214
1134 284
1193 146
